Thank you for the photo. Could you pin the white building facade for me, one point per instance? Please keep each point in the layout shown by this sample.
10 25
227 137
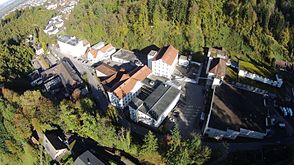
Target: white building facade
163 65
55 154
72 46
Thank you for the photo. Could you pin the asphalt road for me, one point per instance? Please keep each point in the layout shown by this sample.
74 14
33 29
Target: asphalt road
95 87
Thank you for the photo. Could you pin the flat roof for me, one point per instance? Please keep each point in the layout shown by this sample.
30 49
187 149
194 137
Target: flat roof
157 102
234 108
68 40
126 55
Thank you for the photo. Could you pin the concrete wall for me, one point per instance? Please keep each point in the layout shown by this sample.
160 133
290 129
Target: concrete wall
251 134
276 83
219 134
232 134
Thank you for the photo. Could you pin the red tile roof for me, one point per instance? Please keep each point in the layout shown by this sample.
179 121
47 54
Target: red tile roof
121 89
106 69
168 55
106 48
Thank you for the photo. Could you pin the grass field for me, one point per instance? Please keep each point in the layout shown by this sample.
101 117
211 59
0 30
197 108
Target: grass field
29 157
257 69
232 75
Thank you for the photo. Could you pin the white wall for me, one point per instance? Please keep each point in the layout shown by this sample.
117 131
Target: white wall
277 83
232 134
144 118
183 62
159 68
75 51
55 154
137 115
219 134
251 133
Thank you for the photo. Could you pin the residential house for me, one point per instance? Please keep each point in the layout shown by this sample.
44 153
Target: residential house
72 46
216 65
54 144
217 71
156 107
63 76
163 62
235 113
124 56
217 53
96 53
128 86
87 158
104 70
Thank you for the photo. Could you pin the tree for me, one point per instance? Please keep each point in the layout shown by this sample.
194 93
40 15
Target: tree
150 144
112 113
186 152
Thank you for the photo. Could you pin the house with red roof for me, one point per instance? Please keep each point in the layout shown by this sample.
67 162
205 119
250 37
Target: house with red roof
163 62
99 52
128 87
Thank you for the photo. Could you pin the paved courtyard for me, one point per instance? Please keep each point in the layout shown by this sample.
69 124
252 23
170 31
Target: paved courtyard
189 109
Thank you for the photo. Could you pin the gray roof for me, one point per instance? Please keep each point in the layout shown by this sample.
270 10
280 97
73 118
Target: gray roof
87 158
56 139
69 40
126 55
69 76
157 102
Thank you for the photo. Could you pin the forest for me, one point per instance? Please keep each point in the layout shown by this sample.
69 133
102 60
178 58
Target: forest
261 29
15 52
20 114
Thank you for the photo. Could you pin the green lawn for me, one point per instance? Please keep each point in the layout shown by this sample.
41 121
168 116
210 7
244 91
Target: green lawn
257 69
29 157
232 75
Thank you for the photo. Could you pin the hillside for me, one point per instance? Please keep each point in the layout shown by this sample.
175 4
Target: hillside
260 29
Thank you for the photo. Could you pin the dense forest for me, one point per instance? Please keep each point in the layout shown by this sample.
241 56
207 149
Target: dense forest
15 52
261 29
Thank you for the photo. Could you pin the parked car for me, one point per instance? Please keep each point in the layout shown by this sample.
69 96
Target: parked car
282 125
176 114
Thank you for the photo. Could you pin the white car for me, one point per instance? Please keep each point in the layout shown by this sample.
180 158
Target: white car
289 110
